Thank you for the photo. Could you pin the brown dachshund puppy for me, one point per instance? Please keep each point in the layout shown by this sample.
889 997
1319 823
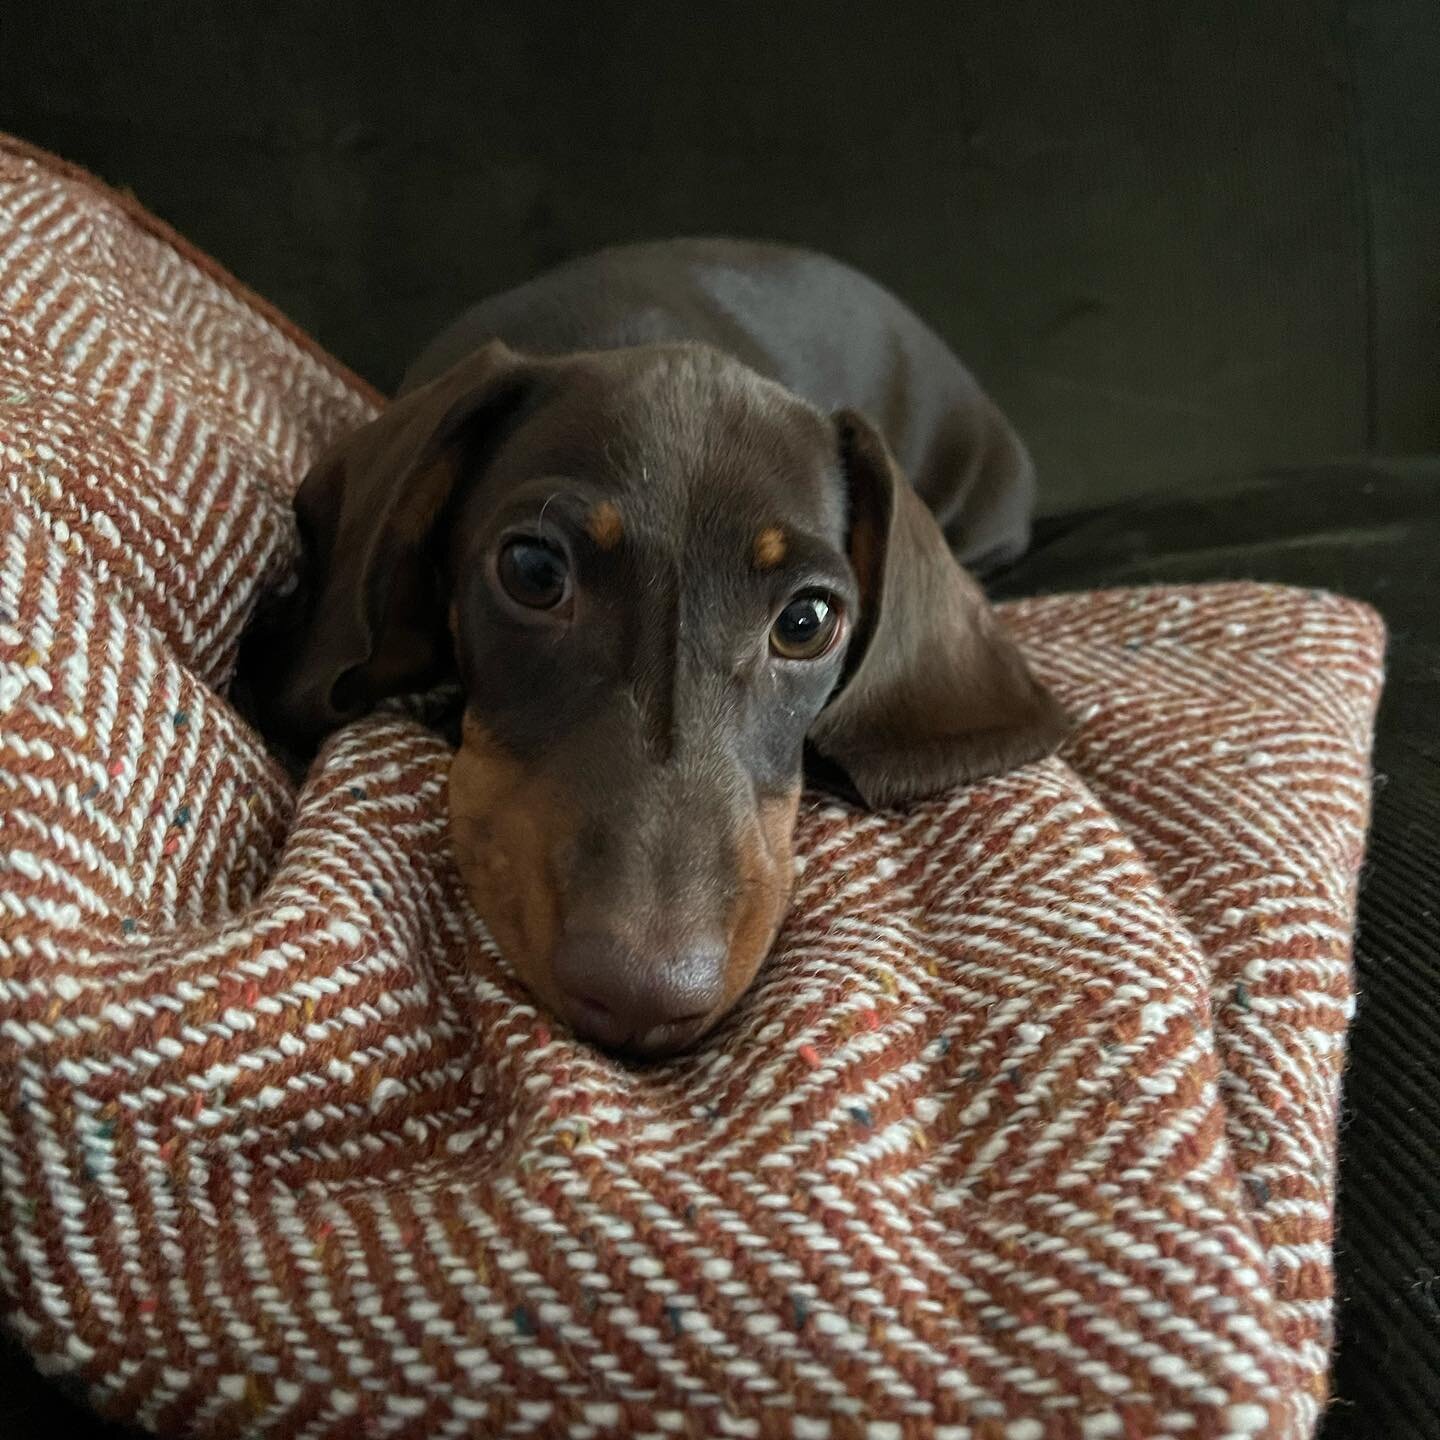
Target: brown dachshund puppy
647 509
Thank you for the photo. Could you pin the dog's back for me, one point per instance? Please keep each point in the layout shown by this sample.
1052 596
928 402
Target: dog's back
822 329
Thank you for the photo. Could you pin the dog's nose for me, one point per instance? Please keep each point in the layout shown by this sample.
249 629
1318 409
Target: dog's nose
641 1003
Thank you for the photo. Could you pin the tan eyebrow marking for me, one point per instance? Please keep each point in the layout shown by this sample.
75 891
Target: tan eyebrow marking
770 547
603 525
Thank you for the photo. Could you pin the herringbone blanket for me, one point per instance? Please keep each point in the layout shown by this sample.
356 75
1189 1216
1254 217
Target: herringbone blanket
1027 1129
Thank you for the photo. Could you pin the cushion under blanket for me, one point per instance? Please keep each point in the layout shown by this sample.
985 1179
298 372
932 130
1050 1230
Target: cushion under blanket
1026 1129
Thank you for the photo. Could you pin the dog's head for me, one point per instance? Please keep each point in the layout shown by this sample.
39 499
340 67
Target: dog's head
663 582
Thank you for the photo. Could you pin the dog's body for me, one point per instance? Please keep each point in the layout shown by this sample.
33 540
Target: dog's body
824 331
667 556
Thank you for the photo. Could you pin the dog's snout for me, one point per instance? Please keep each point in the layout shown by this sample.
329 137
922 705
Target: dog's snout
643 1003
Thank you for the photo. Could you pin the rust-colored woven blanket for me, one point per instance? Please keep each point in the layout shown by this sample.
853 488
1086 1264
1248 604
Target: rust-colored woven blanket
1027 1129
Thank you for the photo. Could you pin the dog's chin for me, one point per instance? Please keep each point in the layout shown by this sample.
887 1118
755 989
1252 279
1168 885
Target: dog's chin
673 1042
663 1042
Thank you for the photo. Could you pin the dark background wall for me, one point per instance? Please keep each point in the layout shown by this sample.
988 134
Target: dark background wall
1176 239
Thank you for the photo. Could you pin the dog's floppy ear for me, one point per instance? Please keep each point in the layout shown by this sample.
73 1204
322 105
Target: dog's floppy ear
367 617
936 694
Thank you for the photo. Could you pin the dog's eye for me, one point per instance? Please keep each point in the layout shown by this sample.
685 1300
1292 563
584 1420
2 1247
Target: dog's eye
533 573
806 628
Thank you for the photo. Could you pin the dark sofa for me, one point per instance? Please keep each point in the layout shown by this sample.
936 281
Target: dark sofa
1193 249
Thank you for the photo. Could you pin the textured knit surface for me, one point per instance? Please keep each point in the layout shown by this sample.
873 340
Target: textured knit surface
1371 529
1026 1130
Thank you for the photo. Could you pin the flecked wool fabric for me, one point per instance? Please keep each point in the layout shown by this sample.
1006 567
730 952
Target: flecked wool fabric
1026 1130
